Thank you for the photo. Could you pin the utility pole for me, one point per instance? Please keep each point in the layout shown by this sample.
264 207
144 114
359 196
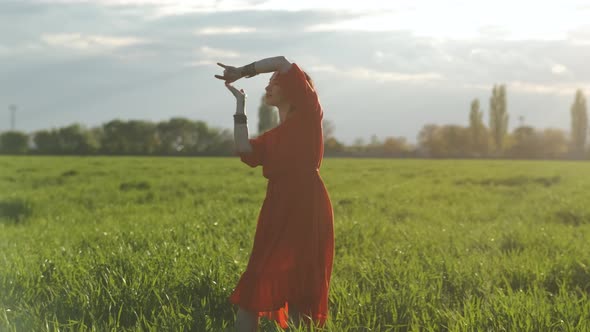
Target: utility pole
12 109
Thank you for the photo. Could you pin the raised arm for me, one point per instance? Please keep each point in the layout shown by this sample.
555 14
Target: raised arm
241 140
231 74
267 65
292 79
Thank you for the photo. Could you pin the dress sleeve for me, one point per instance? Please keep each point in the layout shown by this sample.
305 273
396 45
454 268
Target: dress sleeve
299 92
257 155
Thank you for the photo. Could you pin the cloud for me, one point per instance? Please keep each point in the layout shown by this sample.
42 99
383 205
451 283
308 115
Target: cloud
89 43
363 73
565 89
211 52
557 89
199 63
208 56
500 19
163 8
580 36
468 20
558 69
227 30
22 49
397 66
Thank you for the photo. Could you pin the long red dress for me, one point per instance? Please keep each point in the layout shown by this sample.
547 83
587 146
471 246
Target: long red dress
291 260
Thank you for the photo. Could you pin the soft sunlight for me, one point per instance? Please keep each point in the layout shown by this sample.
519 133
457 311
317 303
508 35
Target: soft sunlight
146 58
453 19
509 20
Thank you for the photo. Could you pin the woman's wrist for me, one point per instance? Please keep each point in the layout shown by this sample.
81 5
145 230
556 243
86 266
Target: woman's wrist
241 71
240 119
248 70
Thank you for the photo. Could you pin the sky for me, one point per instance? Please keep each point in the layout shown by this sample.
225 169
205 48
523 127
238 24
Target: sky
383 68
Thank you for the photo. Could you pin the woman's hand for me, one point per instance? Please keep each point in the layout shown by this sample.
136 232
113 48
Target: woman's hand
239 94
230 73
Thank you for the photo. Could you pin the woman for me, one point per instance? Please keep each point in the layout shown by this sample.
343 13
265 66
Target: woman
288 274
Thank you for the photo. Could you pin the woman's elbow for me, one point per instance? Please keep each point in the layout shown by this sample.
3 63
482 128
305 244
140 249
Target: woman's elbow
284 64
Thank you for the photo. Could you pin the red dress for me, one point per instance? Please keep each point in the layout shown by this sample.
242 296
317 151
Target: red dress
291 260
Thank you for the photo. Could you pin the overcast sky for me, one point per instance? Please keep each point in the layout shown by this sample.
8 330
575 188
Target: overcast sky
381 67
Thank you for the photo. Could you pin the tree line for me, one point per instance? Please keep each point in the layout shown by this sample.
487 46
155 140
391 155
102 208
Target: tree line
478 140
177 136
185 137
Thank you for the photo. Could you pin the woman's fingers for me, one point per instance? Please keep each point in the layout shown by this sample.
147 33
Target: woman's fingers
225 72
237 93
232 88
227 79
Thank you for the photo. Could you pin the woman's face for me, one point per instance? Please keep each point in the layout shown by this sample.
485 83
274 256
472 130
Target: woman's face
273 96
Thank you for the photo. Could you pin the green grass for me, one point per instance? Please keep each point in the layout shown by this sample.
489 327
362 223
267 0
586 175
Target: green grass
138 244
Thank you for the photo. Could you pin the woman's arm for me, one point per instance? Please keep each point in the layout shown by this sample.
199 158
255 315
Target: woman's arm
242 143
268 65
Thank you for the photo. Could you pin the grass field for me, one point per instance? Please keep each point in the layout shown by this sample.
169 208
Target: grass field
142 243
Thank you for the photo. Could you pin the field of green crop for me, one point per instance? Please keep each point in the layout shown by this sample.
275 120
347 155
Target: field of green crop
157 244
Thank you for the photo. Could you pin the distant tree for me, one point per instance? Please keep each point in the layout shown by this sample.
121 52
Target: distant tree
528 142
222 143
444 141
328 128
47 141
430 142
75 139
374 144
268 117
181 136
396 146
132 137
178 136
141 136
114 139
374 147
456 141
498 117
579 124
207 138
554 143
97 134
525 143
14 142
358 145
332 145
478 131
